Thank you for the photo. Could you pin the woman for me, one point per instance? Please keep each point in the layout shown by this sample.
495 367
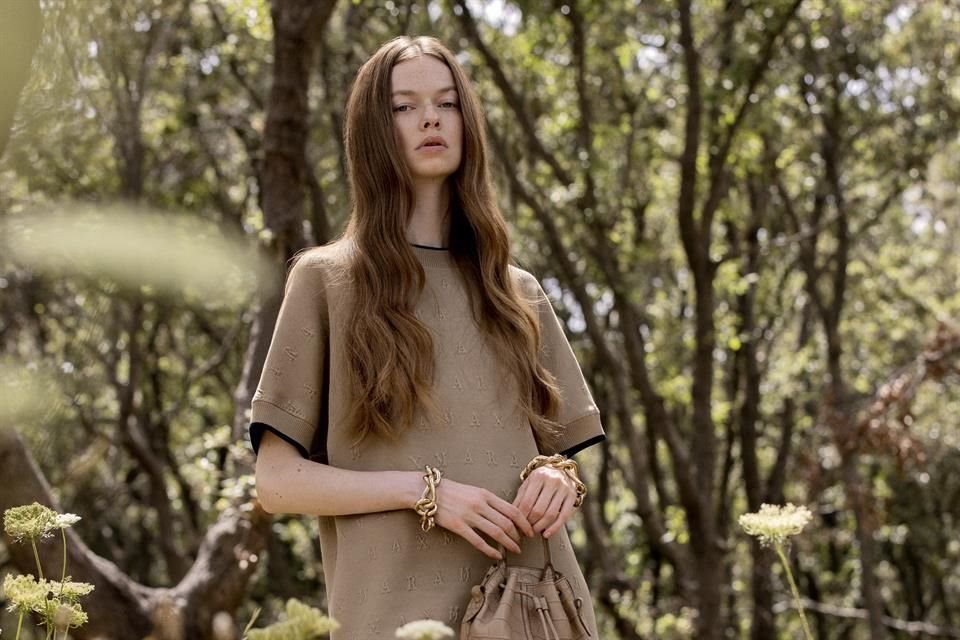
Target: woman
412 342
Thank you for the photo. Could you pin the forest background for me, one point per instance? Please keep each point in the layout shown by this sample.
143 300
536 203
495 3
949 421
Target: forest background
747 213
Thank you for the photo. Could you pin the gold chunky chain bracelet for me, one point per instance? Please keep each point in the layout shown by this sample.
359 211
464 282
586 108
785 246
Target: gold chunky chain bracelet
426 506
562 463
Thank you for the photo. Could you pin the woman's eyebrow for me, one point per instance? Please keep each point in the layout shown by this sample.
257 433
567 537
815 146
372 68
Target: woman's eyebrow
407 92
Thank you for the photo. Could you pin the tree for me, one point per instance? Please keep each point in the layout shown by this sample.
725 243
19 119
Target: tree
744 212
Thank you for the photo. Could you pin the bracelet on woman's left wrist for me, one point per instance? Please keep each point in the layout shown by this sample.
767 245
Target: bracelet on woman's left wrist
562 463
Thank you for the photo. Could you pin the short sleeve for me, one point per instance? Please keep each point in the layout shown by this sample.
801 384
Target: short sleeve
578 414
290 399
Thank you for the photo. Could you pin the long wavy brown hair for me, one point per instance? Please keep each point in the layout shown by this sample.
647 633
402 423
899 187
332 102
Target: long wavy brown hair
390 352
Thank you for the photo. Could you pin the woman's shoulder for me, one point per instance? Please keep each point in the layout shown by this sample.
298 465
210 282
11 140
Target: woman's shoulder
332 259
321 268
526 282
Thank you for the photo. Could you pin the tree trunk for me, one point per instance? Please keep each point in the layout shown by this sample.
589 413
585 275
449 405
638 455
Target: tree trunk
762 626
283 181
709 566
869 588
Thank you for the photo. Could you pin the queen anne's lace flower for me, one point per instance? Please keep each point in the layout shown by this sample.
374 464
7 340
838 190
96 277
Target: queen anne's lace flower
69 591
773 524
66 616
303 621
25 593
424 630
65 520
31 521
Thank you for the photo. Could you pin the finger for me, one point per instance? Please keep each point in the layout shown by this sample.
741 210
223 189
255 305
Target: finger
473 538
552 512
542 508
566 512
515 514
498 534
531 494
505 524
520 494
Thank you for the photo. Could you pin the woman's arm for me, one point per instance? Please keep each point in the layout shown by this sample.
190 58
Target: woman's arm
288 483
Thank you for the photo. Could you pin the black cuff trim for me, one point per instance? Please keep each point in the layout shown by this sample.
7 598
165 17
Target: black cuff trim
257 430
583 445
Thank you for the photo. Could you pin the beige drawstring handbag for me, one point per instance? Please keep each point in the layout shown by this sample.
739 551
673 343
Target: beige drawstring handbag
523 603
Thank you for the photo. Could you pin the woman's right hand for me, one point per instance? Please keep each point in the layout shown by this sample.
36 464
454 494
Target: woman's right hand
466 510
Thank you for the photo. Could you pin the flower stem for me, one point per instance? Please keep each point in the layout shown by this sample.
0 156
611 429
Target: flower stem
63 574
36 556
796 592
19 624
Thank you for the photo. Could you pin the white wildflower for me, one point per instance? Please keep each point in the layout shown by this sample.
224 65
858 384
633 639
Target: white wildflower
66 616
424 630
302 622
64 520
70 591
773 524
25 593
31 521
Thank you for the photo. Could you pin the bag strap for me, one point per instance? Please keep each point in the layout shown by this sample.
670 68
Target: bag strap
547 559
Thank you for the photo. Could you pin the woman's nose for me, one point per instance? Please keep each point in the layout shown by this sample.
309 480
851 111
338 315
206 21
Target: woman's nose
430 117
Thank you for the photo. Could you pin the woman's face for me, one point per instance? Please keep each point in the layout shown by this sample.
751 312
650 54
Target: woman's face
426 106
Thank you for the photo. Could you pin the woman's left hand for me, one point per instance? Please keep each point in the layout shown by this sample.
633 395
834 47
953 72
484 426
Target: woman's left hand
546 498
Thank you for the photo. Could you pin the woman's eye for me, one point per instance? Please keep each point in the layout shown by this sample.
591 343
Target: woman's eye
402 108
449 105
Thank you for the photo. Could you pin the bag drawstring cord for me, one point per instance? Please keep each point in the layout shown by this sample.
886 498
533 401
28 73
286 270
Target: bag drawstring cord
549 630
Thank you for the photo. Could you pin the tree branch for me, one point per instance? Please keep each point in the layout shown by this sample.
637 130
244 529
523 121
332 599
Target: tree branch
514 100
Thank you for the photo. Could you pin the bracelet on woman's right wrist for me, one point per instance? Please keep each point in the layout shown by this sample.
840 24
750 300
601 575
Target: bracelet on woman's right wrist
426 507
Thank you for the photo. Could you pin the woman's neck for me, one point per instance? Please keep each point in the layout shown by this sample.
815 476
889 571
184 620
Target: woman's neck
429 222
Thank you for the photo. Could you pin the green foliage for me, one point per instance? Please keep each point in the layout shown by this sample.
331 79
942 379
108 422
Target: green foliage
301 622
162 105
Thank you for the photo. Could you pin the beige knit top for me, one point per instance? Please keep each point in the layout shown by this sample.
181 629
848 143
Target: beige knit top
381 570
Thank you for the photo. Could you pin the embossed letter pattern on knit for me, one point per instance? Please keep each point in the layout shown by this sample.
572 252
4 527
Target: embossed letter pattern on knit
381 570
